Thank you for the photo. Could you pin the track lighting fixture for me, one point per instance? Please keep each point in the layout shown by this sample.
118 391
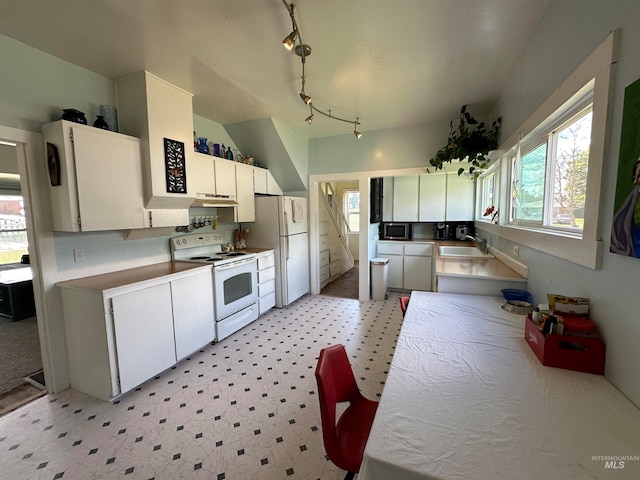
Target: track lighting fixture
303 51
309 119
305 98
290 41
355 129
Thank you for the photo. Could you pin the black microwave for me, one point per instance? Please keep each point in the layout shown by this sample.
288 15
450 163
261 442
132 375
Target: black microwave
396 231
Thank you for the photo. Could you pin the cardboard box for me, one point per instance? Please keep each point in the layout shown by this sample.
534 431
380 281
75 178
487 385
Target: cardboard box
566 351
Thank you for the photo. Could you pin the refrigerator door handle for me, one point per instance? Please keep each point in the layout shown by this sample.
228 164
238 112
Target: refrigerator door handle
286 221
287 256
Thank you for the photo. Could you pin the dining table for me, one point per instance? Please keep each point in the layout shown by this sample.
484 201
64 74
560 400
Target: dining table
467 398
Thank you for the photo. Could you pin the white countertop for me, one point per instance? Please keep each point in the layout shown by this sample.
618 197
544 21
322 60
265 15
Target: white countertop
491 268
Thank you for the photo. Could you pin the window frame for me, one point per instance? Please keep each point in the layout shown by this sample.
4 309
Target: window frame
579 106
587 249
346 212
493 173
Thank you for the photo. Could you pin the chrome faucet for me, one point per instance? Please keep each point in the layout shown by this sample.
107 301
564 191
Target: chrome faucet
480 243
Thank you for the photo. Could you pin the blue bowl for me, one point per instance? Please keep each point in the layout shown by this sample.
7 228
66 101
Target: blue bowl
515 294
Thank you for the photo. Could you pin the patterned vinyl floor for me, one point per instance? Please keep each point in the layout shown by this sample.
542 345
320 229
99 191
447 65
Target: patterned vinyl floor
245 408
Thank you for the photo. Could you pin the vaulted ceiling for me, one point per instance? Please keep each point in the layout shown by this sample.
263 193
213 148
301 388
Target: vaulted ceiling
390 63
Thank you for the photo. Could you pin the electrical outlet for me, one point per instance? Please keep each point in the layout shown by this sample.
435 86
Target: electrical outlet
78 255
516 250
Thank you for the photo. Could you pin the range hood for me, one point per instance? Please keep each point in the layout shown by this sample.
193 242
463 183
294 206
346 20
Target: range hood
210 200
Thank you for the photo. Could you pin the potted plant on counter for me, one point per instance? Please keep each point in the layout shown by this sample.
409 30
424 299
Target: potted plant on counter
470 140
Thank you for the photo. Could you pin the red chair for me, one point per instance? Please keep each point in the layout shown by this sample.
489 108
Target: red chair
404 303
345 440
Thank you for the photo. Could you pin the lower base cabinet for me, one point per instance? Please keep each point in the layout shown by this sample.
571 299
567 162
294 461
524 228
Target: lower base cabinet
121 337
410 264
266 281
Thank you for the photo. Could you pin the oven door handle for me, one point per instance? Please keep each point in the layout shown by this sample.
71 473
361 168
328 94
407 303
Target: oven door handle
235 264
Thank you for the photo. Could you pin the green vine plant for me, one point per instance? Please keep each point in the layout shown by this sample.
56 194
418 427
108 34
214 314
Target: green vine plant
470 141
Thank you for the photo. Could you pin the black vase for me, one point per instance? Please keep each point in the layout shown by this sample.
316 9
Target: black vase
73 115
101 123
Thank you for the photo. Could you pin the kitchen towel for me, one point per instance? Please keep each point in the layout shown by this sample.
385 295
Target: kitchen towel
297 207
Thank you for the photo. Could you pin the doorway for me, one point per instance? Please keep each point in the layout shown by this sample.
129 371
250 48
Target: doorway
20 352
34 181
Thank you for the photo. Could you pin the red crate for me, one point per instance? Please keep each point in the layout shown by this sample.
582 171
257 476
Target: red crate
566 351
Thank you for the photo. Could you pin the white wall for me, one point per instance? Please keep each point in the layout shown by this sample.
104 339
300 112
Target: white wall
570 31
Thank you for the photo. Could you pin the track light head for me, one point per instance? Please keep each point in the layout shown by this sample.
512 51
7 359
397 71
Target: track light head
290 40
305 98
309 119
355 129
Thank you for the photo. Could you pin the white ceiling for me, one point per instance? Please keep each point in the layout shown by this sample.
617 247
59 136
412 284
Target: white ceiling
389 62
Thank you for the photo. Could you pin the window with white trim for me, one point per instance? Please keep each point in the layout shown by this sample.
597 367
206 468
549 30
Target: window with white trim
488 194
549 169
539 226
352 210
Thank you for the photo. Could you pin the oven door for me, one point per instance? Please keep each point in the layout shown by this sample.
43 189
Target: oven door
235 286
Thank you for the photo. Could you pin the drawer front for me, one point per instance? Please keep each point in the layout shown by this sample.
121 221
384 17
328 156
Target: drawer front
390 248
420 249
324 273
266 275
334 268
324 258
324 242
267 302
334 253
266 261
266 288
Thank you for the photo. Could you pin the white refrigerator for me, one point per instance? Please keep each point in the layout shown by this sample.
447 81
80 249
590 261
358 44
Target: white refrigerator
282 224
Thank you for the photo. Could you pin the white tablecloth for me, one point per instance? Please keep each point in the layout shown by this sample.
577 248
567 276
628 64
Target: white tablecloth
466 398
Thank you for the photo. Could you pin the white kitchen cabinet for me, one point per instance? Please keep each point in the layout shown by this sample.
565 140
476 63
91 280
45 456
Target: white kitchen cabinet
460 198
417 266
203 171
245 211
405 198
143 330
225 177
266 281
193 318
123 328
433 196
272 186
100 185
410 264
245 196
154 110
264 183
394 251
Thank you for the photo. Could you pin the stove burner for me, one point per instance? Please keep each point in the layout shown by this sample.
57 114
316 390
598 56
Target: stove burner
213 259
235 254
199 258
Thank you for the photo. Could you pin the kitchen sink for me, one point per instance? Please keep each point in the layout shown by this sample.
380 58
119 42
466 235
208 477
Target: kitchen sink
451 251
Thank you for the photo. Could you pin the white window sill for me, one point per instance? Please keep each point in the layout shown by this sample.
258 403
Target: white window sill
561 244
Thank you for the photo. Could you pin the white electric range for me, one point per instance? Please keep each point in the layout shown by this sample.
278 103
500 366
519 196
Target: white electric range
235 282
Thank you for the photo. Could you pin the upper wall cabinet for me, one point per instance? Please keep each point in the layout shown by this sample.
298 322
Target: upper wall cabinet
405 198
95 178
434 197
264 183
161 115
460 198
